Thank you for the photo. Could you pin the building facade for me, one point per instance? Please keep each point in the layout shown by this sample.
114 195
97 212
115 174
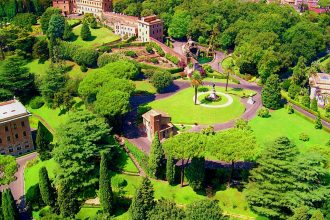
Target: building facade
155 122
95 7
15 131
150 27
320 88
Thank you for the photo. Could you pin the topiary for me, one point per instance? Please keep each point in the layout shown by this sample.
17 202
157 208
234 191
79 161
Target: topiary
303 137
37 102
264 113
290 109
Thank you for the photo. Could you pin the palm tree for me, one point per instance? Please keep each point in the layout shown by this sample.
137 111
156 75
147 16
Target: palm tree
229 70
196 81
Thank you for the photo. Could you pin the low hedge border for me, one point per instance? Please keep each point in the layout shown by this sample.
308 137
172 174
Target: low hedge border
140 156
148 66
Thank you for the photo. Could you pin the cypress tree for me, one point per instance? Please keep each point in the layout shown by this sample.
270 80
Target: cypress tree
196 173
9 208
10 8
318 123
314 106
271 93
273 179
67 31
170 170
46 189
43 140
143 201
85 32
156 158
67 200
105 193
317 215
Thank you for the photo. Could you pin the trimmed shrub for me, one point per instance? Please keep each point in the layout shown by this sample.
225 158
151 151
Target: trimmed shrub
172 58
85 32
318 123
37 102
140 156
157 48
290 109
170 170
130 53
149 49
303 137
154 60
264 113
87 57
161 80
122 69
314 106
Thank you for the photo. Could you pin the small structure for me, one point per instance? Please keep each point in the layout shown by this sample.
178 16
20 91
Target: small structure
250 100
15 131
150 27
320 87
157 122
213 96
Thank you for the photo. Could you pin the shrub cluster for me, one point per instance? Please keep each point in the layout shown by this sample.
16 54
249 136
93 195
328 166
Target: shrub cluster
172 58
82 56
130 53
158 48
161 80
264 113
303 137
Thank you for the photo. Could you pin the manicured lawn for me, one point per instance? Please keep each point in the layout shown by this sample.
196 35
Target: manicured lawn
33 122
183 110
282 124
144 86
87 213
126 164
99 36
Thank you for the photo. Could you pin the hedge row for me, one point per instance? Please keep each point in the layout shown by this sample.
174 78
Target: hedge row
109 47
284 95
172 58
140 156
147 66
158 48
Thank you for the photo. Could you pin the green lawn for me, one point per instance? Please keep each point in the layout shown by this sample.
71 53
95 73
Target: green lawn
144 86
87 213
33 122
183 111
99 36
283 124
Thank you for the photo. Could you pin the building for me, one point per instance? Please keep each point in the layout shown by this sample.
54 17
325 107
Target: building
146 28
96 7
15 131
320 87
150 27
157 122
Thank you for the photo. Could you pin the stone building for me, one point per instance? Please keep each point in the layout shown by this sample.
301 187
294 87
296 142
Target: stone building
15 131
150 27
96 7
157 122
320 87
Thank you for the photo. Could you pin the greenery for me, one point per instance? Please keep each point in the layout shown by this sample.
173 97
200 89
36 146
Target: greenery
8 168
203 210
303 137
43 142
37 102
85 33
271 93
46 16
67 200
263 113
165 209
46 190
156 158
170 170
161 80
141 157
105 190
182 110
195 173
172 58
8 206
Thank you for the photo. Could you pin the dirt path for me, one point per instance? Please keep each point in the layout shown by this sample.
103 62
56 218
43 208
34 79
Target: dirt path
44 122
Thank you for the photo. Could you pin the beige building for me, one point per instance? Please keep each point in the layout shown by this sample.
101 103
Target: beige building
156 122
121 24
320 87
150 27
15 131
95 7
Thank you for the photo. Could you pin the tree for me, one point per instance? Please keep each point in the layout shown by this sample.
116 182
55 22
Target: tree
46 17
9 208
147 12
306 101
105 190
25 20
170 170
165 210
83 136
317 215
196 81
161 80
8 167
46 189
156 158
43 142
204 210
143 201
184 147
56 27
67 34
16 78
293 91
233 145
271 93
41 50
196 173
10 8
67 200
314 105
318 122
300 213
122 69
269 64
178 27
85 32
299 76
85 57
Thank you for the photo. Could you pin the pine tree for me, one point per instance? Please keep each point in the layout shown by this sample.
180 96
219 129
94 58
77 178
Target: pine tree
67 200
85 32
67 31
271 93
318 123
317 215
105 193
156 158
170 170
196 173
46 189
273 179
9 208
314 106
300 213
143 201
43 140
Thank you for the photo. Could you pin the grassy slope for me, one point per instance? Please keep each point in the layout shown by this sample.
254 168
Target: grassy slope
99 36
282 124
183 111
144 86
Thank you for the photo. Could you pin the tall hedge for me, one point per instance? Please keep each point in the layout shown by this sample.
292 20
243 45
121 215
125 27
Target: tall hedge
271 93
156 158
46 189
85 32
196 173
8 205
67 200
43 140
105 193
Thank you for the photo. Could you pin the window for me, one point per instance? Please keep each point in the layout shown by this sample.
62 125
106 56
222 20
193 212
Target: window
11 150
23 124
19 148
16 136
15 126
0 141
27 146
6 128
24 133
8 138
